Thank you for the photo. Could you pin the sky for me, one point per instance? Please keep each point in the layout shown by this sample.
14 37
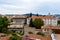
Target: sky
27 6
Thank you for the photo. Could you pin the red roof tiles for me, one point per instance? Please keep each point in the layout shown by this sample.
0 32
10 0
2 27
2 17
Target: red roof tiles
51 27
45 17
19 17
38 37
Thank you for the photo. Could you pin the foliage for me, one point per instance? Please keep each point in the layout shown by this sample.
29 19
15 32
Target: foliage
37 14
30 14
58 22
3 24
40 33
30 32
38 23
21 33
9 32
31 23
15 37
4 29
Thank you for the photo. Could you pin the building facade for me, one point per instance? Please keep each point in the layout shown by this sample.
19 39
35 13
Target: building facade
49 29
47 19
17 23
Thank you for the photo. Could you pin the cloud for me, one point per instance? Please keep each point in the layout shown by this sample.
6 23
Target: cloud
25 6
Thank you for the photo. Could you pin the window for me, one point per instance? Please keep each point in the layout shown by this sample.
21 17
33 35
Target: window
46 29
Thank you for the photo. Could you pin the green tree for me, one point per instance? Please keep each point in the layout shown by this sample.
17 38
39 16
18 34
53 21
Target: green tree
40 33
31 23
30 14
37 14
38 23
15 37
30 32
3 24
58 22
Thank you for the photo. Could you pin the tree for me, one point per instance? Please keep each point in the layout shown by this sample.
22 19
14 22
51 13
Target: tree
30 32
38 23
30 14
58 21
3 24
40 33
31 23
15 37
37 14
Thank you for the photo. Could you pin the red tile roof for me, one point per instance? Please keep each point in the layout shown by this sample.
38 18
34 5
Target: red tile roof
43 17
16 16
39 37
51 27
19 17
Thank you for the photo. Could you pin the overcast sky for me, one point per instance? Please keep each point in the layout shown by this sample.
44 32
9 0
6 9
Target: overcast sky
27 6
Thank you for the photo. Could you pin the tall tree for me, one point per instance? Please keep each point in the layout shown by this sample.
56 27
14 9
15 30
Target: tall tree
37 14
58 22
31 23
38 23
30 14
5 21
3 24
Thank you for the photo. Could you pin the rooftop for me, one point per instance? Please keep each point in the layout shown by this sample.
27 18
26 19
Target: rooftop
51 26
20 16
43 17
39 37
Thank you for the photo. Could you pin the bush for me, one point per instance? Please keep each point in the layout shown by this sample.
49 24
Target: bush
30 32
58 21
9 32
15 37
40 33
21 33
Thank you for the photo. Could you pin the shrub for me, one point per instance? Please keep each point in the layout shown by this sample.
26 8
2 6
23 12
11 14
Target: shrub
40 33
30 32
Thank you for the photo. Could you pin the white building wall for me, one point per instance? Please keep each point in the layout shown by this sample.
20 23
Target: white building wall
52 21
28 21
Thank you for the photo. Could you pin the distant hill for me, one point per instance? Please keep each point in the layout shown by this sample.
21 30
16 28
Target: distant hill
11 15
56 14
29 14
